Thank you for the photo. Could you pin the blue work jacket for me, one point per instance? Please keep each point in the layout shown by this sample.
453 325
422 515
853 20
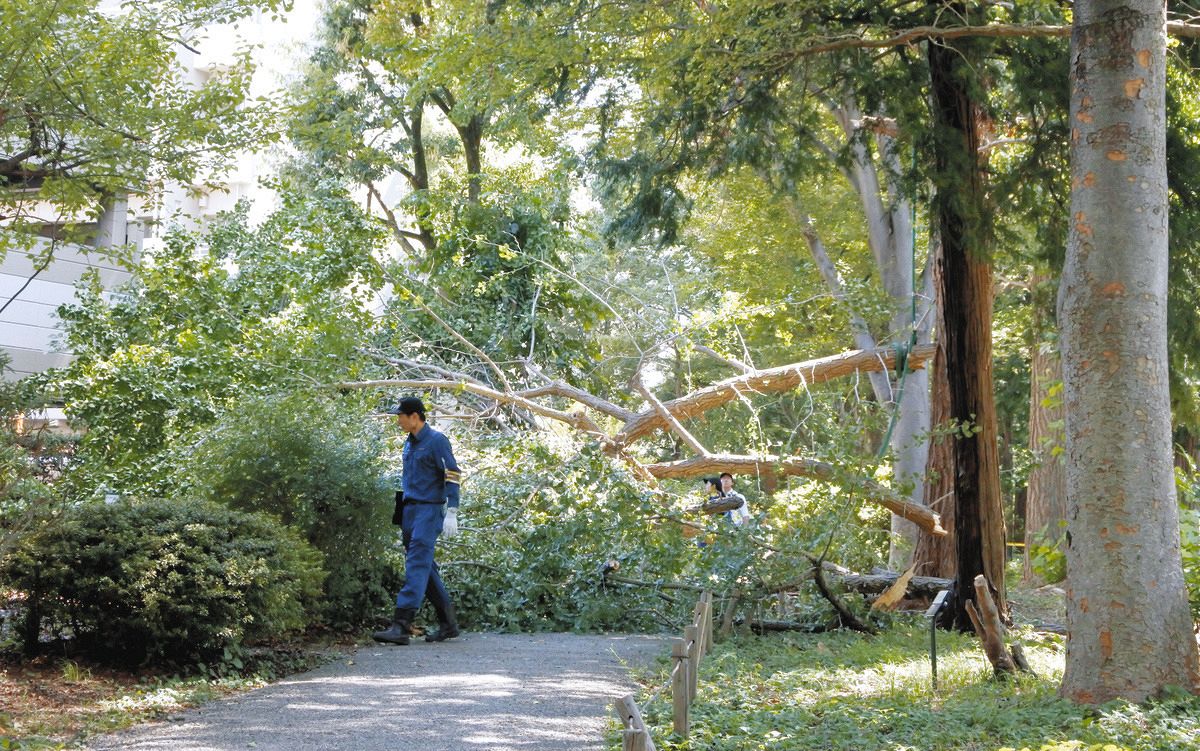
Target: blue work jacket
430 473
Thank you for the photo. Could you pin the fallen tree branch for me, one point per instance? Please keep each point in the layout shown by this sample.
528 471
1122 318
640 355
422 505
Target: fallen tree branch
567 391
847 618
986 620
770 381
736 464
918 586
736 364
763 626
501 379
401 362
651 585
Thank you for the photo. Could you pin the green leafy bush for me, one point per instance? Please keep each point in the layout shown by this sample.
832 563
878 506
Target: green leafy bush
314 464
162 580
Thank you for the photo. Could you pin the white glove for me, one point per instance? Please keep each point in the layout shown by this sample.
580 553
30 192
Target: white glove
450 523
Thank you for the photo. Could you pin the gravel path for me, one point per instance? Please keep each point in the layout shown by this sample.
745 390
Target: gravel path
480 692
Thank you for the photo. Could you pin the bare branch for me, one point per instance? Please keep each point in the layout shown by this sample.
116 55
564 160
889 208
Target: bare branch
397 231
676 426
738 364
567 391
401 362
578 420
503 381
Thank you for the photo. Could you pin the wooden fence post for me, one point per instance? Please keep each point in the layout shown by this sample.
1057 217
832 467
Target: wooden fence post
691 637
701 631
635 737
679 685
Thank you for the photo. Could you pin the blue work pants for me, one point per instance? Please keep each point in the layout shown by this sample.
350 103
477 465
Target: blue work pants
421 523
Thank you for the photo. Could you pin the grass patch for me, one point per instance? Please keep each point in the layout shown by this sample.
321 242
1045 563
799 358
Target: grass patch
56 703
853 692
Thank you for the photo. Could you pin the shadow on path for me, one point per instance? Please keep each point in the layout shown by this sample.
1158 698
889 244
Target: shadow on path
480 692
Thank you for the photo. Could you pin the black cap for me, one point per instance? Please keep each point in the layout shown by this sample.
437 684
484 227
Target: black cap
407 406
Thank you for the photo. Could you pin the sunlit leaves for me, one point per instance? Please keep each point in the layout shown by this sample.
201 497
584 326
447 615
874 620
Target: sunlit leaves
95 103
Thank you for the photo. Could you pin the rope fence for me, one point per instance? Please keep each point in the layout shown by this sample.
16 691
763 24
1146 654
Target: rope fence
686 654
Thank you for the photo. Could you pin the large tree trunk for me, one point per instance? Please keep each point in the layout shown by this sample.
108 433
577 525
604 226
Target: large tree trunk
935 554
1046 496
961 216
1130 632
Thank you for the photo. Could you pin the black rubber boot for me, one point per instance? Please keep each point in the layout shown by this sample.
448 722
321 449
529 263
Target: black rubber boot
398 632
447 625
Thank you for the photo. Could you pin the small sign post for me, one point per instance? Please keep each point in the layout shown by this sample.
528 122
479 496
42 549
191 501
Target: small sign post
938 603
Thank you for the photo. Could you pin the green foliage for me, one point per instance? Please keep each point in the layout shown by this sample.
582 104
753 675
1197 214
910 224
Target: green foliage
1048 559
243 310
162 580
1183 302
411 95
313 462
849 692
501 274
97 104
541 520
30 460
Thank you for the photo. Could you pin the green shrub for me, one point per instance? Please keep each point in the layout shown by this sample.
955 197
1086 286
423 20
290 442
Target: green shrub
162 580
316 465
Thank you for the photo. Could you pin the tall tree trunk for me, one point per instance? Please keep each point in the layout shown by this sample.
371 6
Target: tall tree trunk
935 554
1130 631
961 216
1046 496
911 321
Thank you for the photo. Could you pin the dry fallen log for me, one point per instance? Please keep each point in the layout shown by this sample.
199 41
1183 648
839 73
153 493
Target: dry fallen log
1019 659
918 586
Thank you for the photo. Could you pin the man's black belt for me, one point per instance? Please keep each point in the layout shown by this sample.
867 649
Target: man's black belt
398 513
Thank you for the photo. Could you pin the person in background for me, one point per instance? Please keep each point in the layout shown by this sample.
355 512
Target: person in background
426 506
740 516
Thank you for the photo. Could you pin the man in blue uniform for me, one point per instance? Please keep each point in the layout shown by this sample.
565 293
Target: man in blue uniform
426 506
